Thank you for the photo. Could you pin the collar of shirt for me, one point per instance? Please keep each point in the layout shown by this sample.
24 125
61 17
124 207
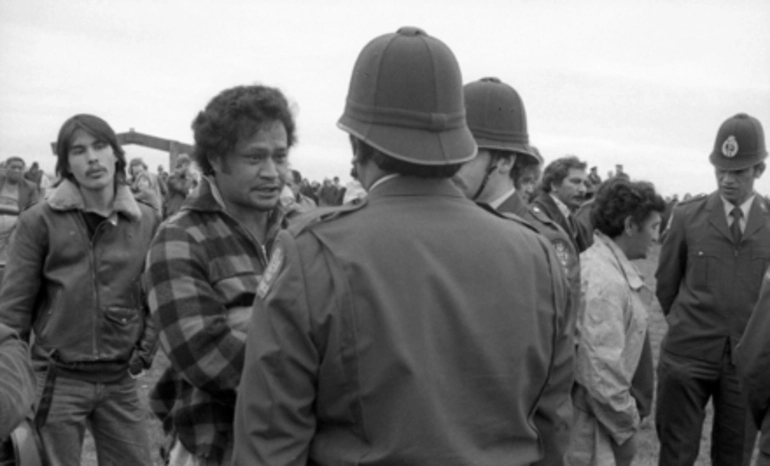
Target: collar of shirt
562 206
498 202
383 180
745 208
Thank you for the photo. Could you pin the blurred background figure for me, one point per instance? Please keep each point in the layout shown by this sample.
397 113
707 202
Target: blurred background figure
180 183
16 195
292 198
145 185
563 192
34 174
612 326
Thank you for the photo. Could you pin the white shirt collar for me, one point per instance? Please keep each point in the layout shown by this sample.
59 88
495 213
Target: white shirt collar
498 202
745 208
383 180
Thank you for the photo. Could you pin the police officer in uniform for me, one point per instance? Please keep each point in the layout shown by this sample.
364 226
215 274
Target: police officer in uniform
375 339
711 265
498 121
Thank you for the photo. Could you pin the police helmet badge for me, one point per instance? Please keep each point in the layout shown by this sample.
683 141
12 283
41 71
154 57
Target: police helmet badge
730 147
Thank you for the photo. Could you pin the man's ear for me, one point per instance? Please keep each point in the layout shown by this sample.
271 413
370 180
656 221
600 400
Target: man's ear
505 164
629 226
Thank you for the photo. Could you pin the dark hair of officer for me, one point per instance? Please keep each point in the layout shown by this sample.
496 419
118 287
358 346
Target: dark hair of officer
364 152
557 170
231 114
99 130
619 199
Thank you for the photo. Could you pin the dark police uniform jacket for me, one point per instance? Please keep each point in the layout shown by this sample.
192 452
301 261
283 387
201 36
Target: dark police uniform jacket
707 285
581 235
414 328
559 239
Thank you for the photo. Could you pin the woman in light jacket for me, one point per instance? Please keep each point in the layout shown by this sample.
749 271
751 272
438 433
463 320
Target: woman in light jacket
612 324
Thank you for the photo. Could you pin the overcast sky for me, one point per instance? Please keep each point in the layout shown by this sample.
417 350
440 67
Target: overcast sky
643 84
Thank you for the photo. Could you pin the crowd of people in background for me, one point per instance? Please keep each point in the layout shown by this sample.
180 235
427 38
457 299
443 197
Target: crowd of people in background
460 302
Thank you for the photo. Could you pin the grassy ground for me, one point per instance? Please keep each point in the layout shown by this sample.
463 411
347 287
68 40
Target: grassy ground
648 451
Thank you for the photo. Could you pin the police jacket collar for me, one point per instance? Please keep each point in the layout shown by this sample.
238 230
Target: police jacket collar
413 186
67 196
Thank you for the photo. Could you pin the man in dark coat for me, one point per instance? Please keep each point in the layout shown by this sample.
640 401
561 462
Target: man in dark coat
716 251
563 191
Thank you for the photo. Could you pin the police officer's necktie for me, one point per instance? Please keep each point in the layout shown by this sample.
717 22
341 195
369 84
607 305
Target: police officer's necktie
735 228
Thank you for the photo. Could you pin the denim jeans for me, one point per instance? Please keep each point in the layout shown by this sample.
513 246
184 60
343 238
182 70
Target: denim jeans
111 411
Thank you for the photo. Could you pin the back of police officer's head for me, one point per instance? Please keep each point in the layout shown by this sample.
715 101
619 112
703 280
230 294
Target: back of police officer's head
405 111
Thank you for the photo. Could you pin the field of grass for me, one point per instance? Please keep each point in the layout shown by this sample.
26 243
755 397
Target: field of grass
648 448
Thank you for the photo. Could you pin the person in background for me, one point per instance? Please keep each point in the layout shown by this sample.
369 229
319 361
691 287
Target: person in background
526 174
716 250
34 174
17 194
145 185
295 202
379 335
73 285
205 263
612 326
563 192
180 184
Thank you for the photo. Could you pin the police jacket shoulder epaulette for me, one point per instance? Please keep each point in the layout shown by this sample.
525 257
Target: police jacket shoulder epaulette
323 214
508 216
538 214
692 200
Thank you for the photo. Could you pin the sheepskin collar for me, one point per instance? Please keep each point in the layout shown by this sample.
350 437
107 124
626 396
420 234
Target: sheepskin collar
67 196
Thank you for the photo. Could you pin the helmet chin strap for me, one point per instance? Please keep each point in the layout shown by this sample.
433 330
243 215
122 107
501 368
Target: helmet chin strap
490 168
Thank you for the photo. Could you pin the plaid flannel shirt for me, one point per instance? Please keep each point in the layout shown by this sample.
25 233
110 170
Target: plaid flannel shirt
202 272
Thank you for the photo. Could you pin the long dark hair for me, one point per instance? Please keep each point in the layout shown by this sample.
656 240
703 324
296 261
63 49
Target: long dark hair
97 128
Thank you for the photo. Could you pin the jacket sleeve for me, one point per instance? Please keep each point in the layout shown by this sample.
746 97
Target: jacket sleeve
672 263
17 384
274 416
600 358
553 416
148 344
191 319
753 356
27 249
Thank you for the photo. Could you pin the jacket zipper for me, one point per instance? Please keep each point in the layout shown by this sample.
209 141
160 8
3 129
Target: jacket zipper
96 311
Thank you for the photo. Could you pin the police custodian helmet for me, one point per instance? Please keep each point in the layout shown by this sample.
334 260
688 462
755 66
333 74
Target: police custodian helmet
406 100
740 143
497 118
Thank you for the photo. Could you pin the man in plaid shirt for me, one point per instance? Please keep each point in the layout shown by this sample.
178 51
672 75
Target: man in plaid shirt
205 263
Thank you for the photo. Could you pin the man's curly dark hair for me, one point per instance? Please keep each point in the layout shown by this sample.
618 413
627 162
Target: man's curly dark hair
617 199
219 126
